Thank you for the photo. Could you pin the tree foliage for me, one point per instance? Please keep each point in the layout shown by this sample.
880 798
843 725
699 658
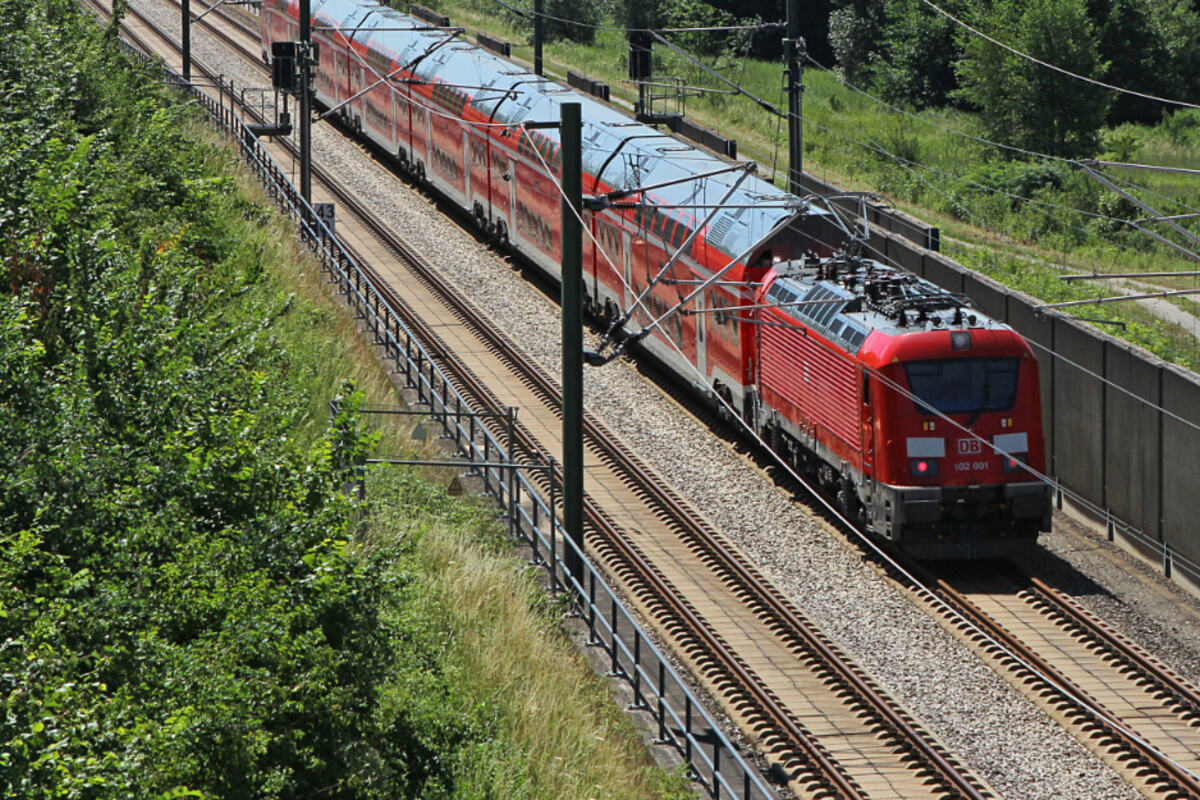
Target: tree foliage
180 612
914 66
1024 104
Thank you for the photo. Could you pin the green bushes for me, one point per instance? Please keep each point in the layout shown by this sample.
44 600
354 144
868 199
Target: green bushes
189 605
179 610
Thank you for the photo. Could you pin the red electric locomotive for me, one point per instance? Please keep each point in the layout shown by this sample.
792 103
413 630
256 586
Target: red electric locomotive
921 414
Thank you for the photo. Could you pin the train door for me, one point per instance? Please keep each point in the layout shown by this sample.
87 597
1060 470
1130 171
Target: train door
343 75
418 130
635 270
447 161
591 294
402 114
626 292
867 411
325 78
477 174
358 81
378 108
700 318
603 258
499 188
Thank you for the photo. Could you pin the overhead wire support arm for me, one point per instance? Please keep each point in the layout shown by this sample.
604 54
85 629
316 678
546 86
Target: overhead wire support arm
1152 211
208 10
1144 220
1106 275
598 204
1091 162
833 301
683 282
603 200
225 2
1099 300
404 29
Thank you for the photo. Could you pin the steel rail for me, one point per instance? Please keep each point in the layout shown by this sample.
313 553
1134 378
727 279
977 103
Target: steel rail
1182 693
1167 775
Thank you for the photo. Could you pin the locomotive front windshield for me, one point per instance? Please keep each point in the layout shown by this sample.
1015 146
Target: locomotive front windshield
963 385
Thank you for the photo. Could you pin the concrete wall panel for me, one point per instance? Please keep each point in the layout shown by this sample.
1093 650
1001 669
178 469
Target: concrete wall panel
988 296
1134 462
1181 462
1038 330
1078 458
910 259
944 272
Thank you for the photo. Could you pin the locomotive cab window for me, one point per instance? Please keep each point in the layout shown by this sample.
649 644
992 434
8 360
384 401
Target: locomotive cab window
963 385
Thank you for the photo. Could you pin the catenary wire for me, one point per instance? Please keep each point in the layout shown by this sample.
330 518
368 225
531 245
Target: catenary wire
1047 65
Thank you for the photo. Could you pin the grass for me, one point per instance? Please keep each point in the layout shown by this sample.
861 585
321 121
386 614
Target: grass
553 732
845 136
532 720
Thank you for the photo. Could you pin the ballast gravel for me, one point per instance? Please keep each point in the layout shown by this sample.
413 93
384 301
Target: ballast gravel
985 723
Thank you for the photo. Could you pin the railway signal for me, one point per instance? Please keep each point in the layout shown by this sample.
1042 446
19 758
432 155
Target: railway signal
283 66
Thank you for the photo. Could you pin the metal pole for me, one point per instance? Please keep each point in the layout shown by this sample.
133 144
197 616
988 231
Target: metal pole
793 49
572 331
539 34
305 104
186 28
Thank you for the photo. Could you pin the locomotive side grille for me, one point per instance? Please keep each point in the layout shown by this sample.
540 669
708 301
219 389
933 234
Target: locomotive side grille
821 386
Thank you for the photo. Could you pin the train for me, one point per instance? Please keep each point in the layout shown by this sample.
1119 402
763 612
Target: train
917 414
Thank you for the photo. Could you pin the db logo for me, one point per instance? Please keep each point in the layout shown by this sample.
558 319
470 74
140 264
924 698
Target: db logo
969 447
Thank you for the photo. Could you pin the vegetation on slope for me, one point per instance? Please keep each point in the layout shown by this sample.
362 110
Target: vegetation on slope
189 605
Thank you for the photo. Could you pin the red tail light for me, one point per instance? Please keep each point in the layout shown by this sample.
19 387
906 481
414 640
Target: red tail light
923 467
1013 463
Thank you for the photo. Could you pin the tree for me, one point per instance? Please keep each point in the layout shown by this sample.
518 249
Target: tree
1134 44
1029 105
1178 24
854 34
918 48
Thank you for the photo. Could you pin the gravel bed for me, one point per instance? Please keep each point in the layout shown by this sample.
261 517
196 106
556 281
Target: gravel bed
977 715
1128 594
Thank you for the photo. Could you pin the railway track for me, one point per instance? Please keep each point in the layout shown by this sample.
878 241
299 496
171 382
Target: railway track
825 725
1119 701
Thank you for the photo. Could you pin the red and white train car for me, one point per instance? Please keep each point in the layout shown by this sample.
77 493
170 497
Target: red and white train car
897 397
